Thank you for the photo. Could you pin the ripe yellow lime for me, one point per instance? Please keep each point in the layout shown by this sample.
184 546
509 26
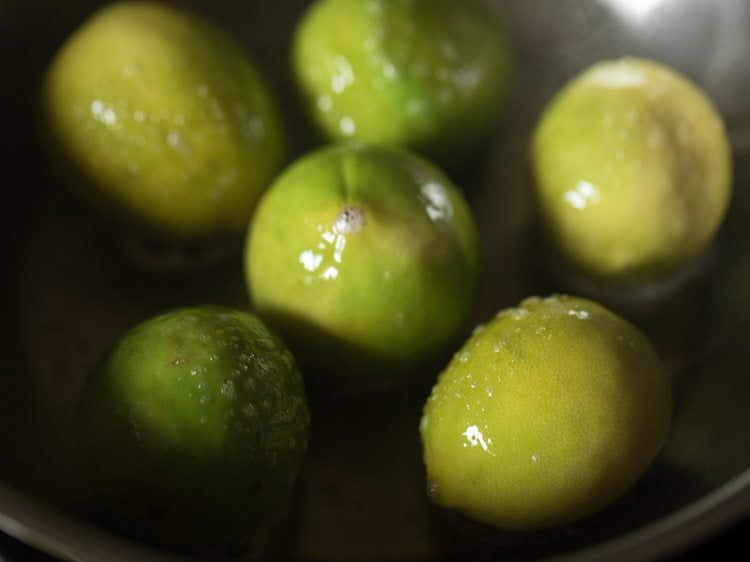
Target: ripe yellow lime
191 429
366 259
162 121
431 75
548 413
633 170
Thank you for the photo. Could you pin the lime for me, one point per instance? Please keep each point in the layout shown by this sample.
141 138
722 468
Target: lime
192 427
633 170
162 121
366 259
547 414
431 75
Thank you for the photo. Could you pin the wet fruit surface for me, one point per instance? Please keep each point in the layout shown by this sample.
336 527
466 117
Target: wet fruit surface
633 170
192 427
366 259
430 75
161 120
548 413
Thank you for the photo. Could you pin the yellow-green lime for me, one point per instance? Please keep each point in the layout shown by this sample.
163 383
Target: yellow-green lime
192 427
548 413
366 259
162 121
432 75
633 170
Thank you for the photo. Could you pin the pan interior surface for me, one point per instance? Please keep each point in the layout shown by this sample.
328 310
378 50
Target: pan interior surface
72 288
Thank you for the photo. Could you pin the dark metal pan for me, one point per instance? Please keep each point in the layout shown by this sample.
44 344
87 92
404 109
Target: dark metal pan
71 290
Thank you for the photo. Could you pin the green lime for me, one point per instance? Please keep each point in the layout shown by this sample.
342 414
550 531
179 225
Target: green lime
431 75
366 259
547 414
633 170
162 121
191 429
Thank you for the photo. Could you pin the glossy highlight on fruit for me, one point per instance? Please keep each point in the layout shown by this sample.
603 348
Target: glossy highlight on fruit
366 259
431 75
632 170
192 427
161 120
548 413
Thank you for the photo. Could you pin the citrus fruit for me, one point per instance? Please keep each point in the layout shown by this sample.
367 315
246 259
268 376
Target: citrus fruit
633 170
191 429
425 74
366 259
161 120
548 413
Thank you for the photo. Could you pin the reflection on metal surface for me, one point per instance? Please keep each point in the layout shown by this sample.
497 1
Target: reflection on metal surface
633 9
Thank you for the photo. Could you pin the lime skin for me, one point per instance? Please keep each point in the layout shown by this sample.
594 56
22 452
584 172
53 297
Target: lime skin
430 75
549 413
366 259
632 169
191 429
162 122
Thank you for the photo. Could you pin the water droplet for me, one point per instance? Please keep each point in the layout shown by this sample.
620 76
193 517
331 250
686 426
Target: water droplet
437 204
330 273
103 113
519 313
415 107
389 71
475 437
310 260
343 76
580 314
265 343
347 126
583 195
325 103
433 490
177 142
227 389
